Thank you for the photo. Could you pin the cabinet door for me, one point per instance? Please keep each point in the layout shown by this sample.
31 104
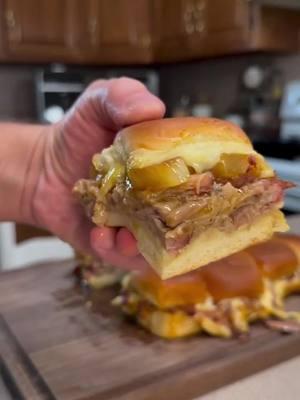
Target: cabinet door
84 21
83 31
38 28
220 27
275 29
111 32
115 32
125 30
173 26
225 15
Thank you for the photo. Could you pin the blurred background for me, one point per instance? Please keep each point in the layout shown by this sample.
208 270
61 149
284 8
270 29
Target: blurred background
233 59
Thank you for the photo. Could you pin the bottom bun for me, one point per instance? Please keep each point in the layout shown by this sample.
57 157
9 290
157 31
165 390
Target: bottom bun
209 246
293 242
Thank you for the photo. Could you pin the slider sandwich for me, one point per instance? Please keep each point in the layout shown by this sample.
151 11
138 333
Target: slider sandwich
191 190
95 273
221 298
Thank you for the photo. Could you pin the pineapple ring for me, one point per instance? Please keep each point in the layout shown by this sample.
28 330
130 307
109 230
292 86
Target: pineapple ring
159 176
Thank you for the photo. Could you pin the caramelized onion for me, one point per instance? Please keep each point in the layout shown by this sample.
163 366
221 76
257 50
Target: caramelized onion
110 179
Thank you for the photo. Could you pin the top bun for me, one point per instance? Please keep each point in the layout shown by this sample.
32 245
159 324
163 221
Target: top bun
165 133
200 142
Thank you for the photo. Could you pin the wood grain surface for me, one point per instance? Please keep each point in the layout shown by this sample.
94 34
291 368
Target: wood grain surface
53 346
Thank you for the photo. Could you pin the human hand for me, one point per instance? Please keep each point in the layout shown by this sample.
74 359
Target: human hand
90 126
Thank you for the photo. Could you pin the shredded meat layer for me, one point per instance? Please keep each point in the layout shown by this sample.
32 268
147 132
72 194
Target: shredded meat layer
178 213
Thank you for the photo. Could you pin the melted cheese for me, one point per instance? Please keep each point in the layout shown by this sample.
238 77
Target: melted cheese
201 156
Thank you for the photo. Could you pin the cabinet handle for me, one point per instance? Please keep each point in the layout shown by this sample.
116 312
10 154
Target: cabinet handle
14 30
198 15
200 26
145 41
200 5
189 28
92 25
10 20
141 40
189 8
188 19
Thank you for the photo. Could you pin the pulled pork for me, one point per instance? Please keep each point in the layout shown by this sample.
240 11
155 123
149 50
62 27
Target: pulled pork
178 213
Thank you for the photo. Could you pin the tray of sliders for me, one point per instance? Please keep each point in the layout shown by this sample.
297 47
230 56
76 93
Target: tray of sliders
143 337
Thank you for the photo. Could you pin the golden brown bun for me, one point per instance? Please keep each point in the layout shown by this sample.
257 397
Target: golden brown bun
210 246
198 141
238 275
233 276
163 134
275 258
178 291
293 241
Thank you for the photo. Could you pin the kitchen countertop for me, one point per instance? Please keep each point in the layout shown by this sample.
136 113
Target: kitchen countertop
276 383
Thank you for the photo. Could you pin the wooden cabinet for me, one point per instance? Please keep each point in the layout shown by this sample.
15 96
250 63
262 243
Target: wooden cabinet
83 21
106 32
172 26
122 32
205 28
200 28
37 29
81 31
25 232
219 29
275 29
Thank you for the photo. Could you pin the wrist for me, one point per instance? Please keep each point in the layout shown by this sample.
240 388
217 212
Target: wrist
21 156
34 168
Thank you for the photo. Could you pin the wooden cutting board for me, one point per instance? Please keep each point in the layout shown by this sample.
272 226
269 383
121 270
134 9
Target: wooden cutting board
53 346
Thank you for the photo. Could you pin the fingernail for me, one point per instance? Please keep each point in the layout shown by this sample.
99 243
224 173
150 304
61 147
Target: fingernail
142 99
102 238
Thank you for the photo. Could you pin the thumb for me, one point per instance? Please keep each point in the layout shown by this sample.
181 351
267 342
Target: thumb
103 109
126 102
